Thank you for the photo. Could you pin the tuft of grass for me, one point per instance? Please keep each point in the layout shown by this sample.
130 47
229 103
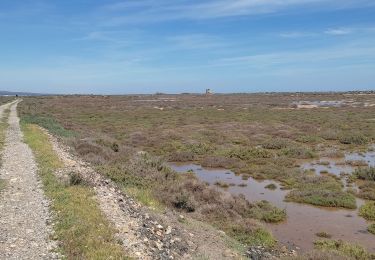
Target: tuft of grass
367 211
76 179
80 226
323 235
3 127
2 185
351 250
48 123
271 186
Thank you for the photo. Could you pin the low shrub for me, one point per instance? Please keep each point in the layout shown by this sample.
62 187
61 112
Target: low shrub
323 190
323 235
270 213
351 250
326 198
183 201
308 139
76 179
221 162
298 152
222 184
330 135
357 163
249 153
277 143
181 157
367 211
365 173
199 148
251 235
371 229
367 190
353 138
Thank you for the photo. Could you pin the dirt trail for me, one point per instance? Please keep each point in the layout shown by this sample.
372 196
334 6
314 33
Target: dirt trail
24 210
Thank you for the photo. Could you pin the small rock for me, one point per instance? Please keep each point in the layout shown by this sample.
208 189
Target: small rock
169 230
159 226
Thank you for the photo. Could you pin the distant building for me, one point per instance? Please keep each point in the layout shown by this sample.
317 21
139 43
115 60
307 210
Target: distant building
209 92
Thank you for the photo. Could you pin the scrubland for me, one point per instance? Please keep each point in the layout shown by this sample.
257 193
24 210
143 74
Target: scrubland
265 136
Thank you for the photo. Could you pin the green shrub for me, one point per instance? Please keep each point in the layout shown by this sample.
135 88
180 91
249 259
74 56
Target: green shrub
198 148
265 211
352 250
367 211
257 236
326 198
371 229
321 190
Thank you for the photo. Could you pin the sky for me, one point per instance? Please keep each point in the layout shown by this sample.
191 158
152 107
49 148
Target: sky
174 46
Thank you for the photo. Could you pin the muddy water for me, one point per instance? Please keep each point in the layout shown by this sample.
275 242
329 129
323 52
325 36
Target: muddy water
303 221
337 166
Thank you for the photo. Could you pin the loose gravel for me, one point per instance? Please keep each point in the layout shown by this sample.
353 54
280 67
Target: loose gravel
24 210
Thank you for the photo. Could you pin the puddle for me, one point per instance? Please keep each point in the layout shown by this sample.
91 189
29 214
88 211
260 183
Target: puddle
303 221
327 103
337 166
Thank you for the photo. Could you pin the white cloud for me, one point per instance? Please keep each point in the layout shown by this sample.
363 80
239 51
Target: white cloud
339 31
296 34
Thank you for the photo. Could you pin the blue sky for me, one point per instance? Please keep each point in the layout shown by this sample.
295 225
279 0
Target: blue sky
145 46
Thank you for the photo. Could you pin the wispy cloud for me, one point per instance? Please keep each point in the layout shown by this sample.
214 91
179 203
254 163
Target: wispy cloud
164 10
195 41
296 34
339 31
353 53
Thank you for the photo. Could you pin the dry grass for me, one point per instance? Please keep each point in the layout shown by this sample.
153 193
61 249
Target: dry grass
81 228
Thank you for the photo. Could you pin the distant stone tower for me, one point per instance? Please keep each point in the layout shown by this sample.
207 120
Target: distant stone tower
209 92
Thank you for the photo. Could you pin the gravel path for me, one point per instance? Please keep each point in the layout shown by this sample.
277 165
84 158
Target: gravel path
24 210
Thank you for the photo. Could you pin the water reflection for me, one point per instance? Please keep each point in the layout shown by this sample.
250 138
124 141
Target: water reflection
303 221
